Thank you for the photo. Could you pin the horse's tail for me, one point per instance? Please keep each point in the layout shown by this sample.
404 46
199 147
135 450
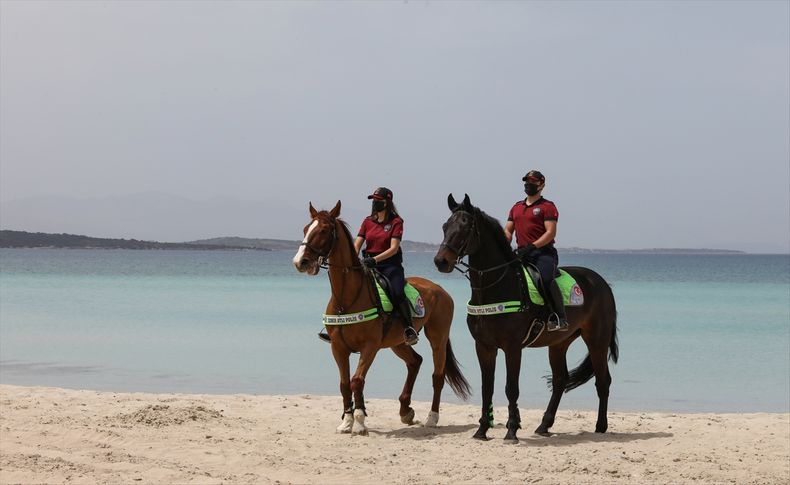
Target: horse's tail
453 376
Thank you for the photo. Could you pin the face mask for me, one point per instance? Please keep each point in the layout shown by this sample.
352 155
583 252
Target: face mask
379 205
531 189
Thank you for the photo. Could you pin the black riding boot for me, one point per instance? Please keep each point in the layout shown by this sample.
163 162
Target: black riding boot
410 334
557 320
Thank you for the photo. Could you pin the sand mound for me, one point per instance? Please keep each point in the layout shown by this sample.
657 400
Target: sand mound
160 415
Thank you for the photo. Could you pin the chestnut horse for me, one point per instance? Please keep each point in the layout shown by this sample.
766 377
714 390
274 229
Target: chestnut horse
494 277
327 241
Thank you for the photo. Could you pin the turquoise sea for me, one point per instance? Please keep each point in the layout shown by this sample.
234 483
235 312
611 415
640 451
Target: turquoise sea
697 333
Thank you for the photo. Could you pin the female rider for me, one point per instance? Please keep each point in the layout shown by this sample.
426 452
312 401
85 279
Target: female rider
381 233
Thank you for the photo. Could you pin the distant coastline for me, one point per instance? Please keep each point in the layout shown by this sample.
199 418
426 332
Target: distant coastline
30 240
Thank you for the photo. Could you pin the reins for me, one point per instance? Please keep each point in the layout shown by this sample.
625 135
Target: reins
323 263
479 273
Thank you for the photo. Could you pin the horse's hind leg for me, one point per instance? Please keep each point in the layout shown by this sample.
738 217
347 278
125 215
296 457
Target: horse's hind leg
486 357
413 361
513 364
603 379
439 353
559 377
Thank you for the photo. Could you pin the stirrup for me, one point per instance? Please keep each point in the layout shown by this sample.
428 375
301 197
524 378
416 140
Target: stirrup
555 324
324 337
410 336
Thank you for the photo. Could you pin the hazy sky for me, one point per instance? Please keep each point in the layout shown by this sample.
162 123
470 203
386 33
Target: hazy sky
657 124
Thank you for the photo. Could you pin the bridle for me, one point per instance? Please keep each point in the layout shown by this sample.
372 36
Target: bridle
466 243
322 256
323 263
474 233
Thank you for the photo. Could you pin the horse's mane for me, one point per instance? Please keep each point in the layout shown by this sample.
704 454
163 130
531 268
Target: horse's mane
343 227
496 230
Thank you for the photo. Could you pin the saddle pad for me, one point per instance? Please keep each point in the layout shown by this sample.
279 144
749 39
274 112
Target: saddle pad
571 292
415 300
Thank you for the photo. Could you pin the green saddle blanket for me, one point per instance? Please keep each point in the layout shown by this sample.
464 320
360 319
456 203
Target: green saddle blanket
571 292
415 300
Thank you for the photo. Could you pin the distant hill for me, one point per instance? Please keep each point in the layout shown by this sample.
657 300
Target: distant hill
22 239
648 251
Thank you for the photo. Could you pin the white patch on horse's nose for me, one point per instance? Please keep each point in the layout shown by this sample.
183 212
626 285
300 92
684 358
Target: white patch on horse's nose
300 253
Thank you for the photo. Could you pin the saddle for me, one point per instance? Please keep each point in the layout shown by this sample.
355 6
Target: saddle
572 294
384 296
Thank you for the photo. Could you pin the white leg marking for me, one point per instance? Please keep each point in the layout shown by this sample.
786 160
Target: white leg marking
300 253
359 419
433 420
347 425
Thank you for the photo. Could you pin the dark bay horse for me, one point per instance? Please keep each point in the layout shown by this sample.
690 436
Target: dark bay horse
327 241
493 275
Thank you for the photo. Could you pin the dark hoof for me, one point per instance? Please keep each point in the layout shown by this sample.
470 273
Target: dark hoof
480 436
600 430
543 431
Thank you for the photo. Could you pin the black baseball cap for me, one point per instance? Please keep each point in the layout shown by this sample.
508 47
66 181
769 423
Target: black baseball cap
534 176
381 193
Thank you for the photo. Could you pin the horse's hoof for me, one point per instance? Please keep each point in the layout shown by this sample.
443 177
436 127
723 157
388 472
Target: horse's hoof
408 418
543 431
433 420
364 432
600 430
481 437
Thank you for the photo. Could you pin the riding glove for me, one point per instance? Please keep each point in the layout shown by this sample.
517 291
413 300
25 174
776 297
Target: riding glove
369 262
526 250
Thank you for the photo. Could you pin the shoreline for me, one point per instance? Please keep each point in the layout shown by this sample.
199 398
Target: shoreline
76 436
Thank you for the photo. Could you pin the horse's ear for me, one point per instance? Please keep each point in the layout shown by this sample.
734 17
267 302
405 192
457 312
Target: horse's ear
467 203
335 211
451 203
313 212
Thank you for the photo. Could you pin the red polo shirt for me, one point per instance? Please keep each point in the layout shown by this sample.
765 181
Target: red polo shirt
529 219
378 235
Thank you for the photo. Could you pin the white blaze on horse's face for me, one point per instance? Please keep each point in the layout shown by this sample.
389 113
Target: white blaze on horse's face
299 258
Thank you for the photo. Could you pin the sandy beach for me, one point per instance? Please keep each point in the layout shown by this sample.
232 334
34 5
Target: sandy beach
55 435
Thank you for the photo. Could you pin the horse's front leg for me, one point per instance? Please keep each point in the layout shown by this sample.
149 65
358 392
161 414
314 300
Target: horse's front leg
486 357
513 365
366 357
341 358
413 362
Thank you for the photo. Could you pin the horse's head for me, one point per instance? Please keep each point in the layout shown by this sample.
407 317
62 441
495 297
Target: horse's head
320 235
460 235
